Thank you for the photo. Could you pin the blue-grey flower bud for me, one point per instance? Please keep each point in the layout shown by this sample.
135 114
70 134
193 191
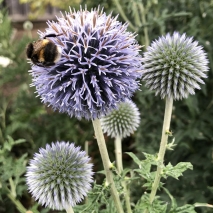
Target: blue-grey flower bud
123 121
174 66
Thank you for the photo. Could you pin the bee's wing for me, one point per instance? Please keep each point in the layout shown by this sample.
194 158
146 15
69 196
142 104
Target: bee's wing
37 46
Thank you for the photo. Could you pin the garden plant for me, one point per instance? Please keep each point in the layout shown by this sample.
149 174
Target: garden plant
135 77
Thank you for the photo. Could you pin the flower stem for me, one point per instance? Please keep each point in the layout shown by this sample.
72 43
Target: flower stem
119 163
69 209
118 154
127 198
123 15
12 196
145 28
12 187
163 144
17 203
106 163
203 205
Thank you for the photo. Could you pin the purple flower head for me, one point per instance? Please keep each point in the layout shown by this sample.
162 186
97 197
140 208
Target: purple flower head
60 175
174 66
99 65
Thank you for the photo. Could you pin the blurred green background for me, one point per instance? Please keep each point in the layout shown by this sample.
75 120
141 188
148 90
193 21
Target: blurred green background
26 124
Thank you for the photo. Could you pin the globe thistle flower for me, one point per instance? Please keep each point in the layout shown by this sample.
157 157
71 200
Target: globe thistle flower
60 175
99 65
123 121
174 66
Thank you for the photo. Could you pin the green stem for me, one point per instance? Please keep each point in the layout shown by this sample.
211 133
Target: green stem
17 203
210 105
121 12
106 163
127 198
69 210
86 147
119 163
1 137
145 28
3 109
118 154
12 187
136 14
203 205
12 197
163 144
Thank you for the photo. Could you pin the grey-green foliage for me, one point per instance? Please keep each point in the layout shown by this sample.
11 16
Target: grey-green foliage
10 169
144 171
98 200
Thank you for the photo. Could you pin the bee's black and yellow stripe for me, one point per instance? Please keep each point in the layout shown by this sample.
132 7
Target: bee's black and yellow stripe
49 51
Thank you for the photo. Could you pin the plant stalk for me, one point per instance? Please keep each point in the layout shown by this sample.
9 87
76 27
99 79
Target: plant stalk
119 163
12 187
163 145
145 28
106 163
118 154
69 209
203 205
123 15
127 198
17 203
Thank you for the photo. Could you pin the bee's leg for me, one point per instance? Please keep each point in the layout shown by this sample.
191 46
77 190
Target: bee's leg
39 64
52 35
48 64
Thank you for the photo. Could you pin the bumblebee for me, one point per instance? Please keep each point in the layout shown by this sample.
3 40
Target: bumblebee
44 52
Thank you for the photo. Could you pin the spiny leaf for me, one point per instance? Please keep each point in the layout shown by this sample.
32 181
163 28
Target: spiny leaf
176 171
184 209
135 158
157 206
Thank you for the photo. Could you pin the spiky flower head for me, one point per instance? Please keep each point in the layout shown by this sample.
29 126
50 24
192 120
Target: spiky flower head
60 175
98 68
123 121
174 66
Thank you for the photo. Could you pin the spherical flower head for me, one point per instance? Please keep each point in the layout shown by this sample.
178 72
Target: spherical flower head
174 66
123 121
60 175
99 66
